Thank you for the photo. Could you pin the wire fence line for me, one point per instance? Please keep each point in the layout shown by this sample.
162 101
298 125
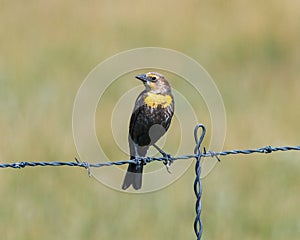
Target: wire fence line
167 160
77 163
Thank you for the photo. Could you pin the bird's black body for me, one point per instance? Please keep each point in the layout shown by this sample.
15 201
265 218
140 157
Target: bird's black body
150 119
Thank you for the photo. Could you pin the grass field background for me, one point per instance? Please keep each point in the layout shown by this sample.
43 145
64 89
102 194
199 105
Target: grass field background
251 49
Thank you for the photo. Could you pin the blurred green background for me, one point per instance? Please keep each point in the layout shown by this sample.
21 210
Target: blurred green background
250 48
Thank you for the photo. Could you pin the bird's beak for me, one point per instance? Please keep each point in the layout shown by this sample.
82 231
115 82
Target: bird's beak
142 77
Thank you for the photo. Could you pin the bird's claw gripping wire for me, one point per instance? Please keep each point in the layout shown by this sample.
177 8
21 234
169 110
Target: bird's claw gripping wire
168 158
140 161
168 162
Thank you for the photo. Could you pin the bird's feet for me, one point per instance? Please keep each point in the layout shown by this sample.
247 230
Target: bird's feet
139 161
168 162
168 158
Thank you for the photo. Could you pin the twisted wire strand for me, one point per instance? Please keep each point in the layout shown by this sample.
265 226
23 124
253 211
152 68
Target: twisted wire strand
198 227
267 149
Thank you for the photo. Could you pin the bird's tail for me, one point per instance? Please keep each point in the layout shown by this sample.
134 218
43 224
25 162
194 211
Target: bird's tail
133 176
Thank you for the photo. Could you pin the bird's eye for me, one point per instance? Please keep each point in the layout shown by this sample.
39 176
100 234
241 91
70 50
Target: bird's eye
153 78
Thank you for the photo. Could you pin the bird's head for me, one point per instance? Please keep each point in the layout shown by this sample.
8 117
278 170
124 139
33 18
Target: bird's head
155 82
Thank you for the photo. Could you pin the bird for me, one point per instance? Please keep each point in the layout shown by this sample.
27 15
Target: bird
150 119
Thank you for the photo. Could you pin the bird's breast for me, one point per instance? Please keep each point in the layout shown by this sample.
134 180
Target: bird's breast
155 100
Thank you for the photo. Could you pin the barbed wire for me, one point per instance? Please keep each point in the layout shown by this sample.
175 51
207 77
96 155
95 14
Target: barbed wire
167 160
204 153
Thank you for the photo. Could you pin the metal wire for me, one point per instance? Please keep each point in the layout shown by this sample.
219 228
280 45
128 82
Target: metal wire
267 149
198 183
166 159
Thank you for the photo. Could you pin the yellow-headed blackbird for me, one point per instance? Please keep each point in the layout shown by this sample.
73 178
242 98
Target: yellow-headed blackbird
150 119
